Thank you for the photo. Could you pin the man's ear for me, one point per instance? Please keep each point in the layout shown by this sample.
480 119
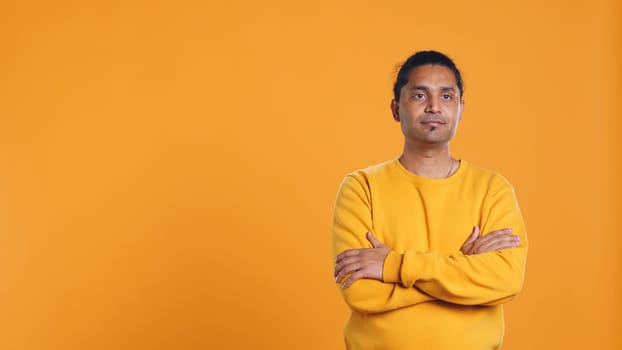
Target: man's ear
395 109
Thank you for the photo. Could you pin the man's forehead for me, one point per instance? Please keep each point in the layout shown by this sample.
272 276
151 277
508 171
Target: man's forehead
431 76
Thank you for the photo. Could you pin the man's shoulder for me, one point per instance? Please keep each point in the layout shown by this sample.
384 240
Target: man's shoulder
365 177
373 170
479 173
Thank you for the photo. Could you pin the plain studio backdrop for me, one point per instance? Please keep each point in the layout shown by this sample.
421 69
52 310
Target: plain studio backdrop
168 168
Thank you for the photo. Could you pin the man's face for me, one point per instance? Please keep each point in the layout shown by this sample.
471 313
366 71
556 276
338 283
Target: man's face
430 106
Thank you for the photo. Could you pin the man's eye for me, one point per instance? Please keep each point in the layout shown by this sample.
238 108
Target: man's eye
447 97
419 96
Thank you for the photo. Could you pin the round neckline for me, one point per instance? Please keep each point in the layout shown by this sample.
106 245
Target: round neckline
462 164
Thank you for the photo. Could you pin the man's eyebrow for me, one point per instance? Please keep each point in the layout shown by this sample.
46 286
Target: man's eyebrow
423 87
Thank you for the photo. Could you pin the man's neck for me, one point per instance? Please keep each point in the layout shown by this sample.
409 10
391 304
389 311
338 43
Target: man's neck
432 161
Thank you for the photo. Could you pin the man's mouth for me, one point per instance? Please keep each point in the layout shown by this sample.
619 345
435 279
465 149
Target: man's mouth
433 122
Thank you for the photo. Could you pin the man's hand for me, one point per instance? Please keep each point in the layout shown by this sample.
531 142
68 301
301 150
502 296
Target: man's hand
361 263
496 240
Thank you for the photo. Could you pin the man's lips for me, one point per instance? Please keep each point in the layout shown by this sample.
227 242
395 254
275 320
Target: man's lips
434 122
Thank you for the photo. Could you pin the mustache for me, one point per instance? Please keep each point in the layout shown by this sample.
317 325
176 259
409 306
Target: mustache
432 118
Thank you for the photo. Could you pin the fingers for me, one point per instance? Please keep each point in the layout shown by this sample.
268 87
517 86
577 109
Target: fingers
345 265
347 253
473 235
350 256
501 242
467 246
503 231
350 252
491 237
494 235
344 270
496 240
374 242
353 277
493 241
354 264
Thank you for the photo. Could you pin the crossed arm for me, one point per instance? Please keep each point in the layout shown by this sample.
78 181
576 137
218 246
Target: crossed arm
487 270
369 262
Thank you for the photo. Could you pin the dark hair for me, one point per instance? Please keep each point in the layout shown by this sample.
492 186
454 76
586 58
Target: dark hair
422 58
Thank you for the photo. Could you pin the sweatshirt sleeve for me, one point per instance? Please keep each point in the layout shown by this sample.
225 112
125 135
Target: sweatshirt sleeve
482 279
352 220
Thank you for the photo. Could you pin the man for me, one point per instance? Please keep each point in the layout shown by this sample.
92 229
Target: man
427 247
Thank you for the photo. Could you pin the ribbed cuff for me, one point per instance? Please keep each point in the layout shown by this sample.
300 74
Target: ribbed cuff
409 268
392 267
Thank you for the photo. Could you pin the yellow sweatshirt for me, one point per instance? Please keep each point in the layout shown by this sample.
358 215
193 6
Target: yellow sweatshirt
432 296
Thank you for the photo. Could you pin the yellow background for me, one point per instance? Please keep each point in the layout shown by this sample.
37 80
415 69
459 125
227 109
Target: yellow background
168 169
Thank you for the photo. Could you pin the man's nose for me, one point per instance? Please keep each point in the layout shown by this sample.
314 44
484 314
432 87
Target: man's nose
433 105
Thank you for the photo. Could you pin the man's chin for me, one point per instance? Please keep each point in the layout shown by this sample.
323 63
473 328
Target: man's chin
427 143
433 140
